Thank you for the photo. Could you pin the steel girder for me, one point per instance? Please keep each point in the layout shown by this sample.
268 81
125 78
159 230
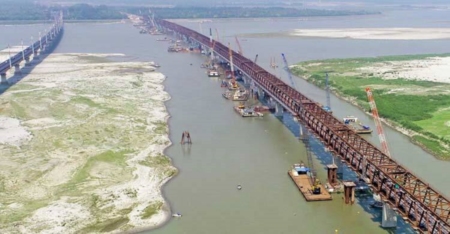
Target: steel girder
412 197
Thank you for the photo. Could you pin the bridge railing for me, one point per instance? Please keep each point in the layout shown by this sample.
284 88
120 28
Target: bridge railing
423 206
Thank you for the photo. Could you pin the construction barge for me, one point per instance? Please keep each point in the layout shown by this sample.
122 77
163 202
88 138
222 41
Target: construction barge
311 192
247 112
356 126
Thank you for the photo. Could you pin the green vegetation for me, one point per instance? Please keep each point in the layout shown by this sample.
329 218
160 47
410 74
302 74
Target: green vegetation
420 106
151 210
11 11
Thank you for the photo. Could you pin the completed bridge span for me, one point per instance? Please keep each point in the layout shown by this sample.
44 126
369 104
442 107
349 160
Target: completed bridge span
32 50
423 206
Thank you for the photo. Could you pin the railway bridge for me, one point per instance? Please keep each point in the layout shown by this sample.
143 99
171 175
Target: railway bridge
42 45
414 199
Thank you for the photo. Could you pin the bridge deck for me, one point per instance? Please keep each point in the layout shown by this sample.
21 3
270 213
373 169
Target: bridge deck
413 198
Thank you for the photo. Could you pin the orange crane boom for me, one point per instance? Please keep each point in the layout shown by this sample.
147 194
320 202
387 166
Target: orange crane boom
376 117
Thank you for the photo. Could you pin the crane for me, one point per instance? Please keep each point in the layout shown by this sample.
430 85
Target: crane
233 79
327 108
239 45
286 67
256 58
376 117
304 134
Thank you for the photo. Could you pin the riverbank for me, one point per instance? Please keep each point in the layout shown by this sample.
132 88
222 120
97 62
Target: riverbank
82 141
411 92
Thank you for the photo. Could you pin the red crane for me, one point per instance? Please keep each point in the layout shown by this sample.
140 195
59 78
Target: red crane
376 117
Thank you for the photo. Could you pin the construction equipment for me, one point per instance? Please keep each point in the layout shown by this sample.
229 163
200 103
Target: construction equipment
327 108
234 84
239 45
304 136
376 117
286 67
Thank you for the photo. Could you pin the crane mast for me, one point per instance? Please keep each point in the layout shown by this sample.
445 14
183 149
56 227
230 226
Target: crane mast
376 117
327 89
304 134
239 45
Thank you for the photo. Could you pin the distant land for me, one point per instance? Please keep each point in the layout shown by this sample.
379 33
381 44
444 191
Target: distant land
11 11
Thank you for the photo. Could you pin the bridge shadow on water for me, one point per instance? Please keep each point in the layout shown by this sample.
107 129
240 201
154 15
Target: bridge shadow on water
364 200
27 69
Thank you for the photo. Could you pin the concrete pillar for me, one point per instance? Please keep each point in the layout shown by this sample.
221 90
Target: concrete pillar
3 78
332 174
260 92
27 61
349 192
17 69
389 219
36 56
278 109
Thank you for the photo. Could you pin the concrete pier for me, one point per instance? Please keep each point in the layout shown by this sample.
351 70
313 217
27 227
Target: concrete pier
3 79
27 61
17 70
332 174
349 192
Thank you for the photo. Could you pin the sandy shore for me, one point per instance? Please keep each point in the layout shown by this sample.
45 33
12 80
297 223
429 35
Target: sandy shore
436 69
376 33
82 143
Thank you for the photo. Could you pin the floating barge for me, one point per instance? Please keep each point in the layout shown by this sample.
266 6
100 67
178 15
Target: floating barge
303 182
356 126
247 112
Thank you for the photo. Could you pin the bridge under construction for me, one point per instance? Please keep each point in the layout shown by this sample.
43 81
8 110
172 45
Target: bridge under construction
414 199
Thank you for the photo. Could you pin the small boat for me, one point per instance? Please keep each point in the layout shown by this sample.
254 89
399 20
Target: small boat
240 95
300 168
212 73
247 112
153 64
176 215
239 187
227 95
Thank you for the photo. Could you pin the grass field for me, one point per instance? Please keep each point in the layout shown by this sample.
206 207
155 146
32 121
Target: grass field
418 105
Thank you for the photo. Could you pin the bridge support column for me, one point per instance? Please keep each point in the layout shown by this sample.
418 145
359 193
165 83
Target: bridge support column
27 61
332 174
278 109
389 219
17 69
3 79
260 92
349 192
36 56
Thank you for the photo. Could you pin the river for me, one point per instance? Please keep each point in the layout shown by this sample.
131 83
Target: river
229 150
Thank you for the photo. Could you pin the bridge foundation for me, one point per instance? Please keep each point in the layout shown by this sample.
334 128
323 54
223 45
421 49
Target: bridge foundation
389 219
36 56
332 174
17 69
278 109
349 192
3 79
27 61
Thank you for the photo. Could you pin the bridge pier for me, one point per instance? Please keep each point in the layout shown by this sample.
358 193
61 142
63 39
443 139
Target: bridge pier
17 69
389 219
260 92
36 56
332 174
349 192
27 61
278 109
3 79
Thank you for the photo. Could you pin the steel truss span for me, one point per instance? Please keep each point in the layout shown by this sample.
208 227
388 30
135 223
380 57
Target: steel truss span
424 207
